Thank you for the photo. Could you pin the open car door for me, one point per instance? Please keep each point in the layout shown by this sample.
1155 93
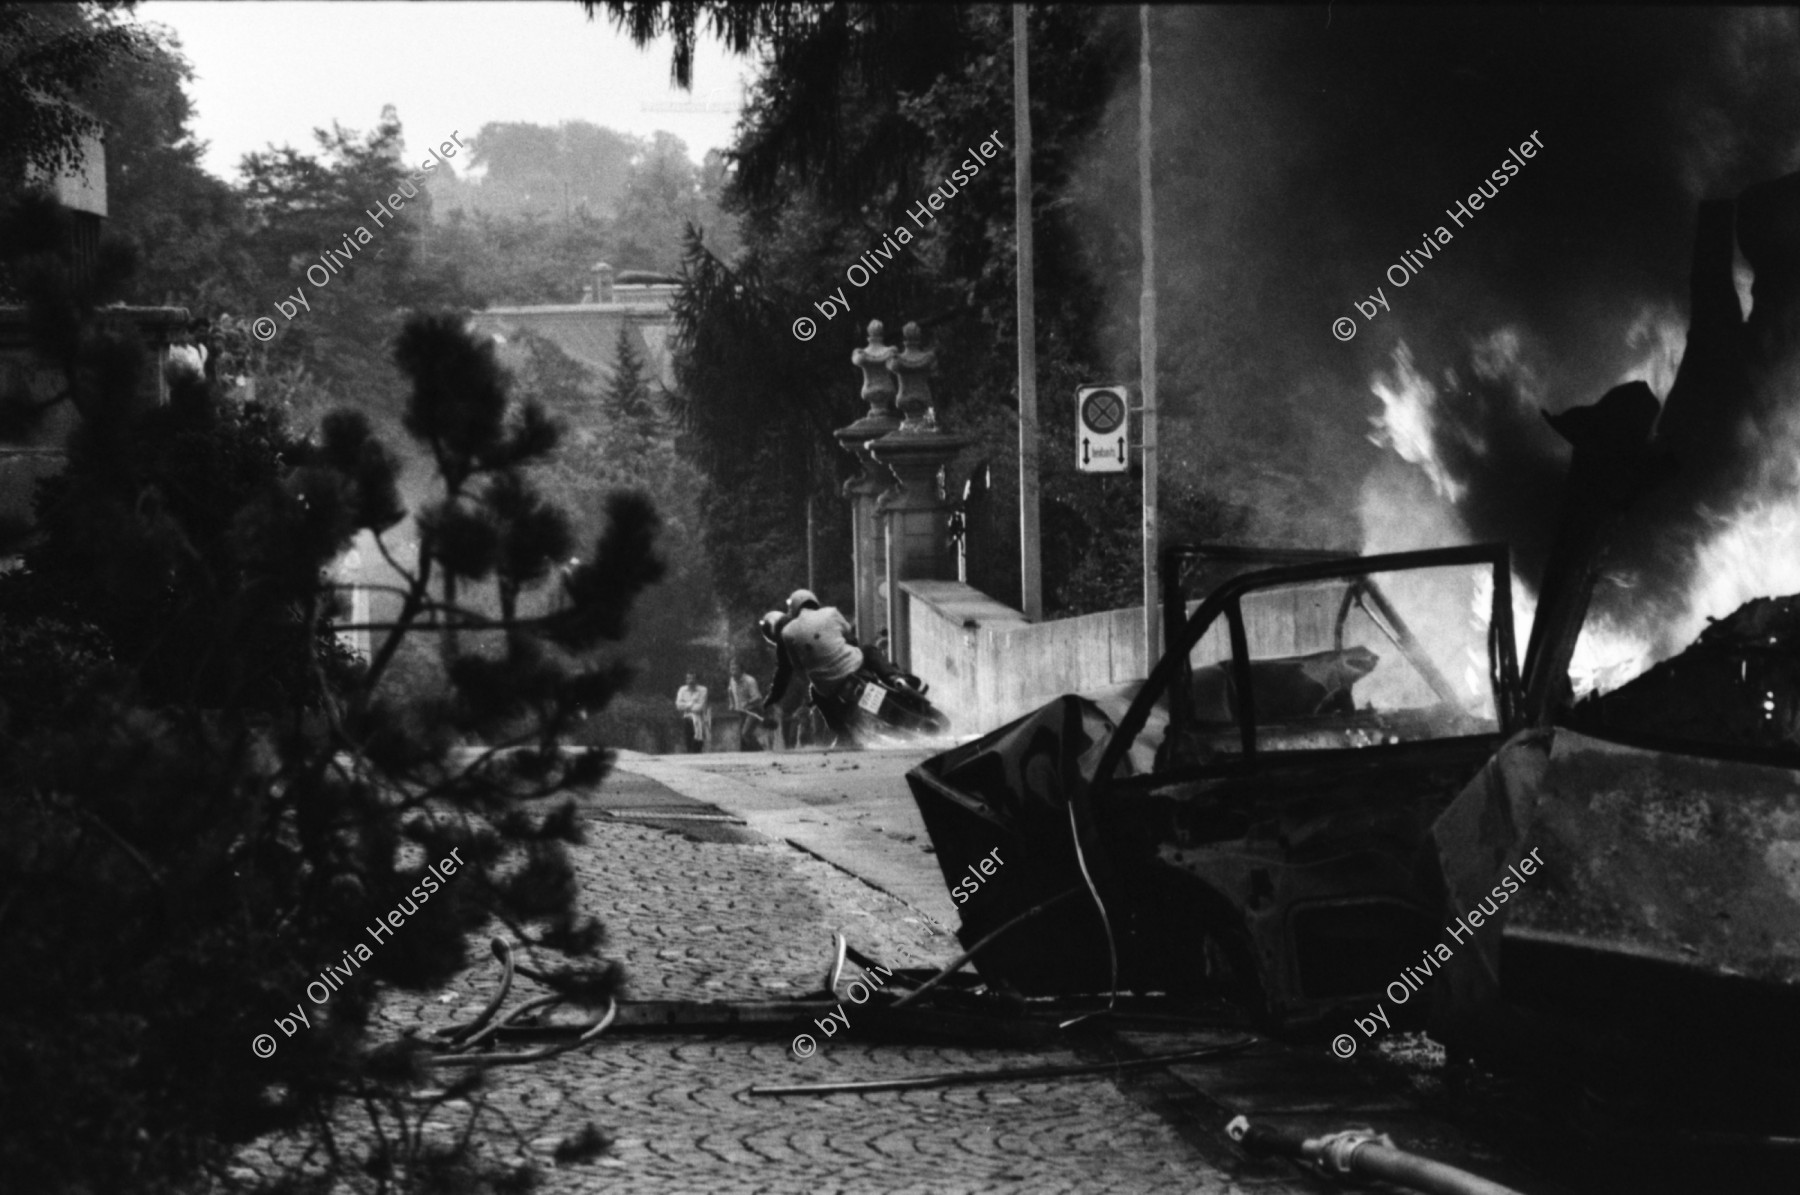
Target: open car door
1266 800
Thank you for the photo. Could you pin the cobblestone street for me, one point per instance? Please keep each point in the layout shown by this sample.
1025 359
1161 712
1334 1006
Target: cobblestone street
722 878
751 919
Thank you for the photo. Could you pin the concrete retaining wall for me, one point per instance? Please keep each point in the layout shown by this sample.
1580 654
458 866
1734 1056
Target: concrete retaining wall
987 665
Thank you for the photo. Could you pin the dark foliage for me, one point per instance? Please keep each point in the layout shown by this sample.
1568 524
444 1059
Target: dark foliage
812 115
619 440
51 55
757 413
628 397
208 803
865 110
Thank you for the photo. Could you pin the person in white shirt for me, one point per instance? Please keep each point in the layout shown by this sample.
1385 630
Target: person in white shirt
696 719
187 354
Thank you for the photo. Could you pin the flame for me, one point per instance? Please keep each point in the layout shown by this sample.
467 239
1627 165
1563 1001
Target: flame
1408 422
1750 552
1606 655
1755 553
1399 512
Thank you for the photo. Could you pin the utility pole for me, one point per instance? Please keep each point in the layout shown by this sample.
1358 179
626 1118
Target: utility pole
1031 582
1147 351
812 579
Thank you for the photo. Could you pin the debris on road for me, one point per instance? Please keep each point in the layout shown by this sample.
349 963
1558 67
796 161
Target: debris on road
1006 1074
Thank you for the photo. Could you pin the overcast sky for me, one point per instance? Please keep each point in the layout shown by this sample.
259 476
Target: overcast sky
273 71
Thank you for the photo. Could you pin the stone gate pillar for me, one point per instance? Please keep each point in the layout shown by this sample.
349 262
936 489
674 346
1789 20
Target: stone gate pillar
866 488
915 511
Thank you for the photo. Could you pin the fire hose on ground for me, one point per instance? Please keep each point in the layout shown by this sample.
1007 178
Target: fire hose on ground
1361 1154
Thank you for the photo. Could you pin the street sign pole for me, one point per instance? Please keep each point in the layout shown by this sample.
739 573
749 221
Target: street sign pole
1147 350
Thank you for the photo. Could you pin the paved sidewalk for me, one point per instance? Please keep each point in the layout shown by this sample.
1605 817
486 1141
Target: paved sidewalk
850 808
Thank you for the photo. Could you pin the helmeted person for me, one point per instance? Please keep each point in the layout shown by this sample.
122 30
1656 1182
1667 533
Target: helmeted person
819 642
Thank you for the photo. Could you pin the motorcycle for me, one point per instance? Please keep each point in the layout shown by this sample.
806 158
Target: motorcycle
868 711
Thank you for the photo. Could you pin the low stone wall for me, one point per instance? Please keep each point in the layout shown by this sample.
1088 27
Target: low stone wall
987 664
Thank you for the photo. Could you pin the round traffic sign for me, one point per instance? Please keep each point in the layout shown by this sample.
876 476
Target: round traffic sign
1103 411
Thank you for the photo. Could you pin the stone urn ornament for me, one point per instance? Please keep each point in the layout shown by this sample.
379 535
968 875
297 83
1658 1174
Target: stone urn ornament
878 384
912 365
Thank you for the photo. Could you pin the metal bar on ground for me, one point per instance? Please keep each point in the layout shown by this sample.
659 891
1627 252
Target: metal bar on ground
970 953
1010 1073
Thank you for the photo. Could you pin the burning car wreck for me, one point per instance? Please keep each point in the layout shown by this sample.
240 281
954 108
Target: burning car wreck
1338 756
1250 819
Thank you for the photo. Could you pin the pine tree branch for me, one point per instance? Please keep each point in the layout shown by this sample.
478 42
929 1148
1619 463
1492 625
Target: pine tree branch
420 584
118 839
429 605
405 573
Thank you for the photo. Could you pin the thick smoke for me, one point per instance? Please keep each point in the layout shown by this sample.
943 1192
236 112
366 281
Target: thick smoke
1301 152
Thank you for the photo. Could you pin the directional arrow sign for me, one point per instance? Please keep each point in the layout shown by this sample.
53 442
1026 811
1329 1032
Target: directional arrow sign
1100 428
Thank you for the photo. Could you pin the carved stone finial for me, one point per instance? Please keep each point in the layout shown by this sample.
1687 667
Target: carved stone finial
912 365
878 383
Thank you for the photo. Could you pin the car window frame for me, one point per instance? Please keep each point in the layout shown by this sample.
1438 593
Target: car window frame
1224 602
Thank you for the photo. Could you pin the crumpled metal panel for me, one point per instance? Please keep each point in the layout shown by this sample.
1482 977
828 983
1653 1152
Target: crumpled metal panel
1684 863
1483 831
1011 790
1678 855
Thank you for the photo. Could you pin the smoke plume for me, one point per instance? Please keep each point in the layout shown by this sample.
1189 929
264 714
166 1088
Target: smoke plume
1301 152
